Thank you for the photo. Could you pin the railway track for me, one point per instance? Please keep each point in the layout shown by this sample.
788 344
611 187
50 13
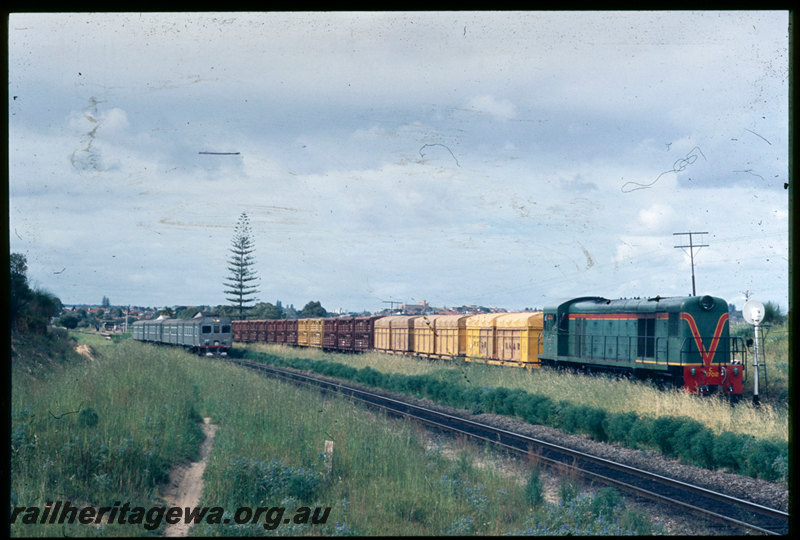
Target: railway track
733 512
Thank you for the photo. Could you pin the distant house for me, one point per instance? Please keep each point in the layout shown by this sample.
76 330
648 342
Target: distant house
414 309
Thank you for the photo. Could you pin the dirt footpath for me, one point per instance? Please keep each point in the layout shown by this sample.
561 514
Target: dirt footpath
186 481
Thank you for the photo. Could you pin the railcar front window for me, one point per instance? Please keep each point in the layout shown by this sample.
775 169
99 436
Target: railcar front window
206 328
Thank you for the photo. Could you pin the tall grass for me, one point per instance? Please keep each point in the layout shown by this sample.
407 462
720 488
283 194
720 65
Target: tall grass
381 480
773 363
110 429
99 432
384 362
614 395
385 477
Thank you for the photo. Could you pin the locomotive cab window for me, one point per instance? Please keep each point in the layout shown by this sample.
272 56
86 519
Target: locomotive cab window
206 328
647 338
549 321
674 323
226 328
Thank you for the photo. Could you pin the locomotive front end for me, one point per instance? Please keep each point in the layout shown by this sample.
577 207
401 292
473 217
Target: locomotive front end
711 360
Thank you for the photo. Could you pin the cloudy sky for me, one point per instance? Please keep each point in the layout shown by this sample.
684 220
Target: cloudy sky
506 159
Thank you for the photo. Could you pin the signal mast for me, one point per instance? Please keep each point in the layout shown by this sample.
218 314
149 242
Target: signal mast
753 313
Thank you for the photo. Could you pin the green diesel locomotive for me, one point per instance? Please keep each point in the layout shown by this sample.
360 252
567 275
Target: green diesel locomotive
682 339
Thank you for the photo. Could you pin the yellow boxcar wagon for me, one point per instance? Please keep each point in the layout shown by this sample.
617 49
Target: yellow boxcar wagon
451 335
302 332
382 334
316 332
481 341
518 338
424 335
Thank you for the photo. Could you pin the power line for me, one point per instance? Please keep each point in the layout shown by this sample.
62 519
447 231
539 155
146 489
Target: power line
691 247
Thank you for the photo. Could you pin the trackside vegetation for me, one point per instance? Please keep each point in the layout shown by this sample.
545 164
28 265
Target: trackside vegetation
681 437
107 429
769 421
100 431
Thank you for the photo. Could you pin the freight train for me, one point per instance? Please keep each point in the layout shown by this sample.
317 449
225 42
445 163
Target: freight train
202 334
684 340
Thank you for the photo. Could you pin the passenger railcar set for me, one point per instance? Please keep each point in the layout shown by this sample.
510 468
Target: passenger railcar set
203 335
682 339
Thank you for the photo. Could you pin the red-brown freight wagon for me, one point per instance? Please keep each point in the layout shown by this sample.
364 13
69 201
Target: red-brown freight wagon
252 331
291 331
261 331
283 331
272 331
363 332
237 330
329 334
345 327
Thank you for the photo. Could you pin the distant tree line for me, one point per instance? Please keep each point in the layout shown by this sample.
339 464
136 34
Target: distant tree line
262 310
83 318
773 314
266 310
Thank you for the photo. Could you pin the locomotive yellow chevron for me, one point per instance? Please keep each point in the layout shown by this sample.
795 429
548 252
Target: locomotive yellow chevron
707 356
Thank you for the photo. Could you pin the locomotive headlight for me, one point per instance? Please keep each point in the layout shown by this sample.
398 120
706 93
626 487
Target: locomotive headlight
736 371
707 303
693 372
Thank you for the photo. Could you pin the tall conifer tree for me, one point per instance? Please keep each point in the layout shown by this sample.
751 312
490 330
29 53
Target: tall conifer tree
239 286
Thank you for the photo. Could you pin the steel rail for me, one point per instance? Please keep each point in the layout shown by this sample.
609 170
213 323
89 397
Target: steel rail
560 456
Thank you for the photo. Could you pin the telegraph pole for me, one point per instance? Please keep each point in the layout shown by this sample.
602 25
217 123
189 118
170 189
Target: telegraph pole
691 247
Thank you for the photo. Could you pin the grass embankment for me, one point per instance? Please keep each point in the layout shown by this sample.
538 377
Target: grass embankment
384 480
99 431
705 431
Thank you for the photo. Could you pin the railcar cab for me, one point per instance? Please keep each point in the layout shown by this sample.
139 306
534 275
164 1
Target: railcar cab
684 339
215 335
